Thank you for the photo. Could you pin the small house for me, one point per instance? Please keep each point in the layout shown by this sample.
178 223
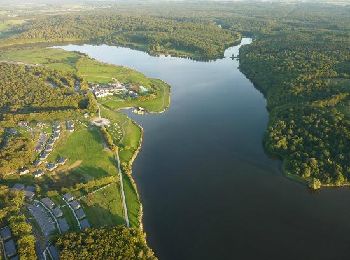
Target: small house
55 136
10 248
18 186
23 171
49 148
51 166
84 224
37 162
29 194
80 213
51 141
61 161
70 126
62 222
74 204
44 155
68 197
48 203
57 212
38 173
5 233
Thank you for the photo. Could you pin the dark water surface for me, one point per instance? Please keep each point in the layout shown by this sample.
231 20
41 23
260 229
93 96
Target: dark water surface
208 189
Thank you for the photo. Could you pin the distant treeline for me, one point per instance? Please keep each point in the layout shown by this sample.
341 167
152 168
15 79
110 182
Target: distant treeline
153 34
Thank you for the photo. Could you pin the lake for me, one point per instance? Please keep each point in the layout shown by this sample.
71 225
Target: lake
208 189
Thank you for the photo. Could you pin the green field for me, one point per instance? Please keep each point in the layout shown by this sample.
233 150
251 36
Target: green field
86 154
104 207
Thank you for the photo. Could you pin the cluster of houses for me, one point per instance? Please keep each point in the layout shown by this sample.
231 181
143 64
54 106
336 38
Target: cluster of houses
77 210
104 90
49 167
9 245
56 128
57 213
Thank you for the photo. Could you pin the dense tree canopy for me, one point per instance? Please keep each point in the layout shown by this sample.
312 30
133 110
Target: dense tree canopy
49 90
108 243
155 35
305 77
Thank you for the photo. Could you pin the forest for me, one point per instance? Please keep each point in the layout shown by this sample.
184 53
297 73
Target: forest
106 243
152 34
305 76
49 90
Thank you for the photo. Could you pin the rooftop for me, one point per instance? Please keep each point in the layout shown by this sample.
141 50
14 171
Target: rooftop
68 197
18 186
30 188
84 224
10 248
80 213
62 222
74 204
29 194
57 212
5 233
48 202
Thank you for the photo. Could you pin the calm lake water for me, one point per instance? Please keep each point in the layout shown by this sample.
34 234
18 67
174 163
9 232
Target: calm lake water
208 189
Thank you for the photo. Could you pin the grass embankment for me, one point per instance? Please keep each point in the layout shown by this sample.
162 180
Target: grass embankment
128 143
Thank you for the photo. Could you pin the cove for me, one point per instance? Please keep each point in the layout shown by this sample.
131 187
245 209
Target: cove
207 187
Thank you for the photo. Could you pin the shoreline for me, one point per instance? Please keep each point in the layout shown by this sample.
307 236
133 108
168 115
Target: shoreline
129 172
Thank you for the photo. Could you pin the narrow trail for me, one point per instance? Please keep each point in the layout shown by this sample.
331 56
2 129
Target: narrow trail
122 190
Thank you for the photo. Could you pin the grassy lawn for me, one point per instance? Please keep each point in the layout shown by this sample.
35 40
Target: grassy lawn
52 58
104 207
86 154
95 71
